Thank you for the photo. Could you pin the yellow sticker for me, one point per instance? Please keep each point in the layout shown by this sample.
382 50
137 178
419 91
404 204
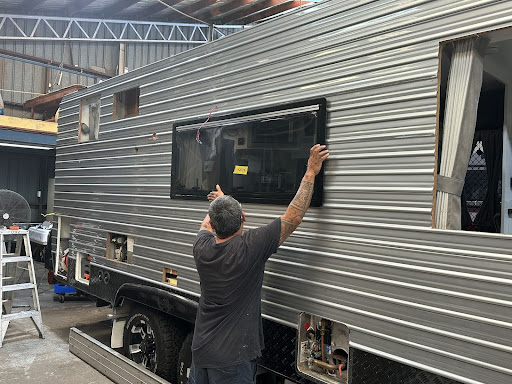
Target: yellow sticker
240 170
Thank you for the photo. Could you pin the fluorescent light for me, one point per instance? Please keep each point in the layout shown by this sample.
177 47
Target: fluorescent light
24 146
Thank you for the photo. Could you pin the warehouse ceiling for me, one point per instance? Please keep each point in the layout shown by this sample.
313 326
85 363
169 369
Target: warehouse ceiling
219 12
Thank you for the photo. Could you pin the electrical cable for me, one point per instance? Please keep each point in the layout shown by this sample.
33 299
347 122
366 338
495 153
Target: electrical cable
182 13
202 125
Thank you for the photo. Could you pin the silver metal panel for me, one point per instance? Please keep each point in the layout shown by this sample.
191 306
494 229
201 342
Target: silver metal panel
112 364
437 300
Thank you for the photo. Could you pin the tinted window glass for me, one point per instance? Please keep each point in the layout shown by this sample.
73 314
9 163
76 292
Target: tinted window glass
259 157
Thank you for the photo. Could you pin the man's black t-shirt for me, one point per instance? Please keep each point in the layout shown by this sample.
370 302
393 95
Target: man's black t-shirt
228 329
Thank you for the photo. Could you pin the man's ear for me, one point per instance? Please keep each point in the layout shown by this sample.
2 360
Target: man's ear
211 225
243 217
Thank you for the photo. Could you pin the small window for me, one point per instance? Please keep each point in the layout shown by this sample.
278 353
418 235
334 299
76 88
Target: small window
89 119
120 248
126 104
258 156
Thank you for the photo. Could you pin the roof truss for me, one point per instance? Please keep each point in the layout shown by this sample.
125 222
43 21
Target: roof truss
16 27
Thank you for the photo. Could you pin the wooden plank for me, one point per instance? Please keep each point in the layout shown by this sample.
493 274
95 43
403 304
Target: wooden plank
34 126
50 99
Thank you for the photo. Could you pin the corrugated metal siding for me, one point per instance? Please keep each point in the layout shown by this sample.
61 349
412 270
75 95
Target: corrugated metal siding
139 55
438 299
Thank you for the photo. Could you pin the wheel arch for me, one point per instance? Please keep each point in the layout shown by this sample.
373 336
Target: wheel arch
162 300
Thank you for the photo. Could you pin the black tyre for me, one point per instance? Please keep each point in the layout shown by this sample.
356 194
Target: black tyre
154 340
185 359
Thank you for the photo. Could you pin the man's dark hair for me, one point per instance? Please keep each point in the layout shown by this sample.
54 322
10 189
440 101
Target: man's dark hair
225 216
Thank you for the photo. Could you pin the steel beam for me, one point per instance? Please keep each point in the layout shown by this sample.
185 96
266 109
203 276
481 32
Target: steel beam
49 64
50 28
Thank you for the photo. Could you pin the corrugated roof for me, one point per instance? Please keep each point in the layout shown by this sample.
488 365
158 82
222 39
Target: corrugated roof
208 11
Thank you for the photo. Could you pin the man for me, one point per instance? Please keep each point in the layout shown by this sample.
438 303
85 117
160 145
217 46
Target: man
228 335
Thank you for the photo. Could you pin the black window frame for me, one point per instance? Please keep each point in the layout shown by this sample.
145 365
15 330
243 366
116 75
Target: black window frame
317 200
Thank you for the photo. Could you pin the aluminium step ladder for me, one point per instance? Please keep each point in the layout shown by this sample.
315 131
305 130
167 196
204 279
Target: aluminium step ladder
8 285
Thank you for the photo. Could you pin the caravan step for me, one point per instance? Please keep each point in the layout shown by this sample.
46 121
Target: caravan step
21 315
17 287
15 259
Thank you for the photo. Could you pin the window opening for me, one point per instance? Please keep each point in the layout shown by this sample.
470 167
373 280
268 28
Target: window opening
120 248
83 268
258 156
475 154
170 276
89 119
126 104
62 250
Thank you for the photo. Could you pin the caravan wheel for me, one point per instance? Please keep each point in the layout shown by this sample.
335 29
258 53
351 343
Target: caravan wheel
154 341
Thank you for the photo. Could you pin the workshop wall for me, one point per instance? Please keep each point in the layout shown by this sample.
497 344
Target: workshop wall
22 81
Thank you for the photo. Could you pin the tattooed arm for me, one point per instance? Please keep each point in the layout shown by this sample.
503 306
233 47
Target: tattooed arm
300 203
205 225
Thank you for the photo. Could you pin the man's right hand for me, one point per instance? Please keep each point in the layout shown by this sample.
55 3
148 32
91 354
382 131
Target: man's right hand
317 154
214 194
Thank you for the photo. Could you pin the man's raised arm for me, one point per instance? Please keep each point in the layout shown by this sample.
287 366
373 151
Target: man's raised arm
300 203
206 225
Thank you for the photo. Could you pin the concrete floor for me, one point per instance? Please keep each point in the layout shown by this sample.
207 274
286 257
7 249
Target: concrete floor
24 358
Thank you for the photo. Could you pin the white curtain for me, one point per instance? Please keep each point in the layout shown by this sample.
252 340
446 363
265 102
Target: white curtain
462 95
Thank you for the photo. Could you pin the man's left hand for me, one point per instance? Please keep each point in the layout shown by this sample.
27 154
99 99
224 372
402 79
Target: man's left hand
214 194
